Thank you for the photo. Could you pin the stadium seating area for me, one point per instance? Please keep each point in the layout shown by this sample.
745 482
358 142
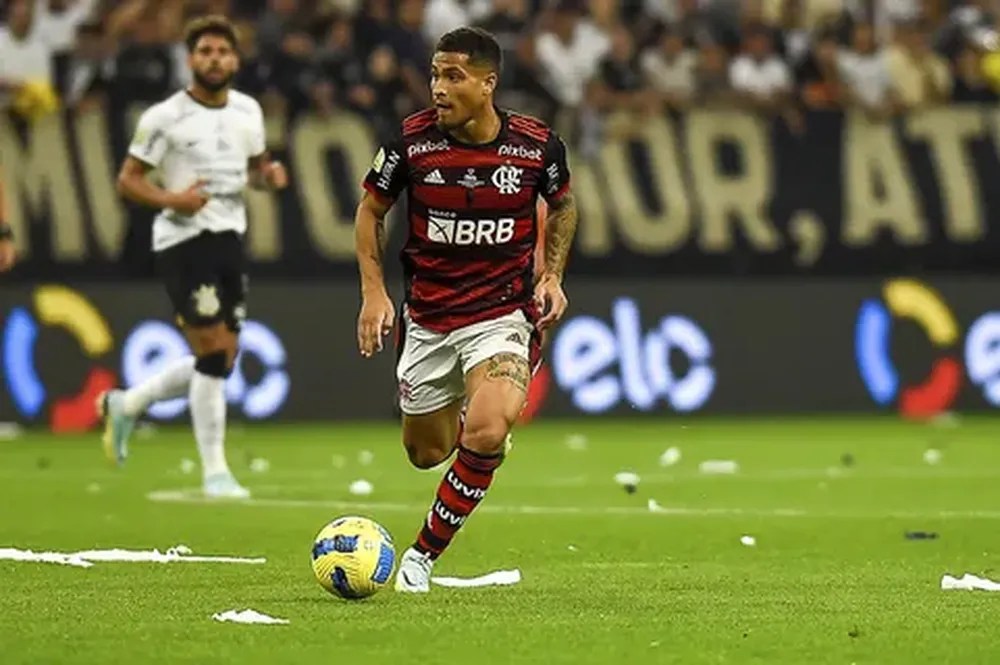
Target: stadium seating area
573 57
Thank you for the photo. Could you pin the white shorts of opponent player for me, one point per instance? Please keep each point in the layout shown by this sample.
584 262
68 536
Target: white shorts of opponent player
432 366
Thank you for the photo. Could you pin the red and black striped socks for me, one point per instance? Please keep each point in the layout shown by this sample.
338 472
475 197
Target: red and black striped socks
461 489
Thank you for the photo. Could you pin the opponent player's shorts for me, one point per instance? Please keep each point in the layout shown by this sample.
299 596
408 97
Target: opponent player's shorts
431 366
206 279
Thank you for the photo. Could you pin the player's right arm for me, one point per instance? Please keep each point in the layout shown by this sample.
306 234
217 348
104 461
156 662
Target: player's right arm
146 152
385 181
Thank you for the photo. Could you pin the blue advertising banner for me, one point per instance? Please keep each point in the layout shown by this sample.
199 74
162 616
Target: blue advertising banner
627 347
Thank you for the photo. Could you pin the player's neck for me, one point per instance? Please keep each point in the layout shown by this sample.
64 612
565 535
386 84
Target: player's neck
207 97
480 130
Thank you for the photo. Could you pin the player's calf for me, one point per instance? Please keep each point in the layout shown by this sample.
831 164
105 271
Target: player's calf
215 350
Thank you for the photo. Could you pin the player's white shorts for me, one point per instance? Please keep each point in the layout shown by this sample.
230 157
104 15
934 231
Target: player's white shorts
432 366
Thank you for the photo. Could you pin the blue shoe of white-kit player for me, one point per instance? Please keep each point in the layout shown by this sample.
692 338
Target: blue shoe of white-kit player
118 425
224 486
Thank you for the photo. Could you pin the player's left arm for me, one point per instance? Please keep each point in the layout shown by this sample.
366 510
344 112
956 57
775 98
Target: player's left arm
266 173
560 229
262 171
7 254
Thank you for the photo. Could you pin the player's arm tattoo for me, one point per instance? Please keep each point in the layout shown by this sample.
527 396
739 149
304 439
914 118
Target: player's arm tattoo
560 227
509 367
369 242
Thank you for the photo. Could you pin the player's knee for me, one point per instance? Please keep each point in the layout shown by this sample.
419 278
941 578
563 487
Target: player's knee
214 363
208 339
424 457
486 436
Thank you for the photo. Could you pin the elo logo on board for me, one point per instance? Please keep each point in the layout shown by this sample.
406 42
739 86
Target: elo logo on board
601 364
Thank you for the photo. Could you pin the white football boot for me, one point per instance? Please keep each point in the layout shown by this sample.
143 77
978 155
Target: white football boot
414 574
118 425
224 486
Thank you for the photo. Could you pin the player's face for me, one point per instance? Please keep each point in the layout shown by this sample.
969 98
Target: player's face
459 90
213 62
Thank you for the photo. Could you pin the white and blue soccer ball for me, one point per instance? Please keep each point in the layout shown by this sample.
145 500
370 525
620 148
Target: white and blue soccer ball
353 557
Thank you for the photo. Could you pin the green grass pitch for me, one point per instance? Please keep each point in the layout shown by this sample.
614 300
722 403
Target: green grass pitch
831 579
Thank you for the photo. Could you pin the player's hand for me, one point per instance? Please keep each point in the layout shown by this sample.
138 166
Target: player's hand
276 176
551 300
191 200
375 322
7 255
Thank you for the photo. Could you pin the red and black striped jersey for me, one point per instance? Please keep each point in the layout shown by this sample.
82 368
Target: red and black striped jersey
468 256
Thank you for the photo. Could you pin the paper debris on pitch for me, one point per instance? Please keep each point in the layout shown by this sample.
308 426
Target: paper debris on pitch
969 582
87 558
498 578
718 467
361 488
248 616
576 442
670 456
13 554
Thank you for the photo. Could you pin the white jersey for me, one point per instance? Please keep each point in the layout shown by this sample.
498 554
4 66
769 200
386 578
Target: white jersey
189 141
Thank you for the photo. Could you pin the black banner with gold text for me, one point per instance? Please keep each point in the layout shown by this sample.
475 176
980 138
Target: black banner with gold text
703 193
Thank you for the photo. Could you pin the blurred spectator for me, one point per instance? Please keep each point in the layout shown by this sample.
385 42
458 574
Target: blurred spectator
969 22
808 15
971 82
761 78
59 20
292 68
412 52
382 95
441 16
568 53
713 76
564 60
670 68
507 20
273 25
865 71
26 62
619 84
699 21
374 25
818 77
90 67
145 69
919 76
340 66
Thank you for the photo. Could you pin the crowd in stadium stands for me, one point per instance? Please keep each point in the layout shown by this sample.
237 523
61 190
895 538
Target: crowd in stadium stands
564 58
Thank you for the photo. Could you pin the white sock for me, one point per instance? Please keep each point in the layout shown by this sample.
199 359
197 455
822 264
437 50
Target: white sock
172 382
208 416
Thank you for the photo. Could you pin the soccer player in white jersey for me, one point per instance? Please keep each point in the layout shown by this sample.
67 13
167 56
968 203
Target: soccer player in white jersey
208 144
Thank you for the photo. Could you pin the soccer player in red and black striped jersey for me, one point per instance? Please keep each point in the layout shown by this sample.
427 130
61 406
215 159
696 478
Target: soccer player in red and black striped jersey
474 305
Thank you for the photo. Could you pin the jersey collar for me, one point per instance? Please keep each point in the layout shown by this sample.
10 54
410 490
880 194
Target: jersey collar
201 103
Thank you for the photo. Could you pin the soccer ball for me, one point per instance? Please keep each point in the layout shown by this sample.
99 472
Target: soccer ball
353 557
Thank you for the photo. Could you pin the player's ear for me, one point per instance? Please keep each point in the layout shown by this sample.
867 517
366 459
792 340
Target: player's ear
490 83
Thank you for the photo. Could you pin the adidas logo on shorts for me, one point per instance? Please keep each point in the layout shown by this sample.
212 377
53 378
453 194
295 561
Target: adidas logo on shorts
434 178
